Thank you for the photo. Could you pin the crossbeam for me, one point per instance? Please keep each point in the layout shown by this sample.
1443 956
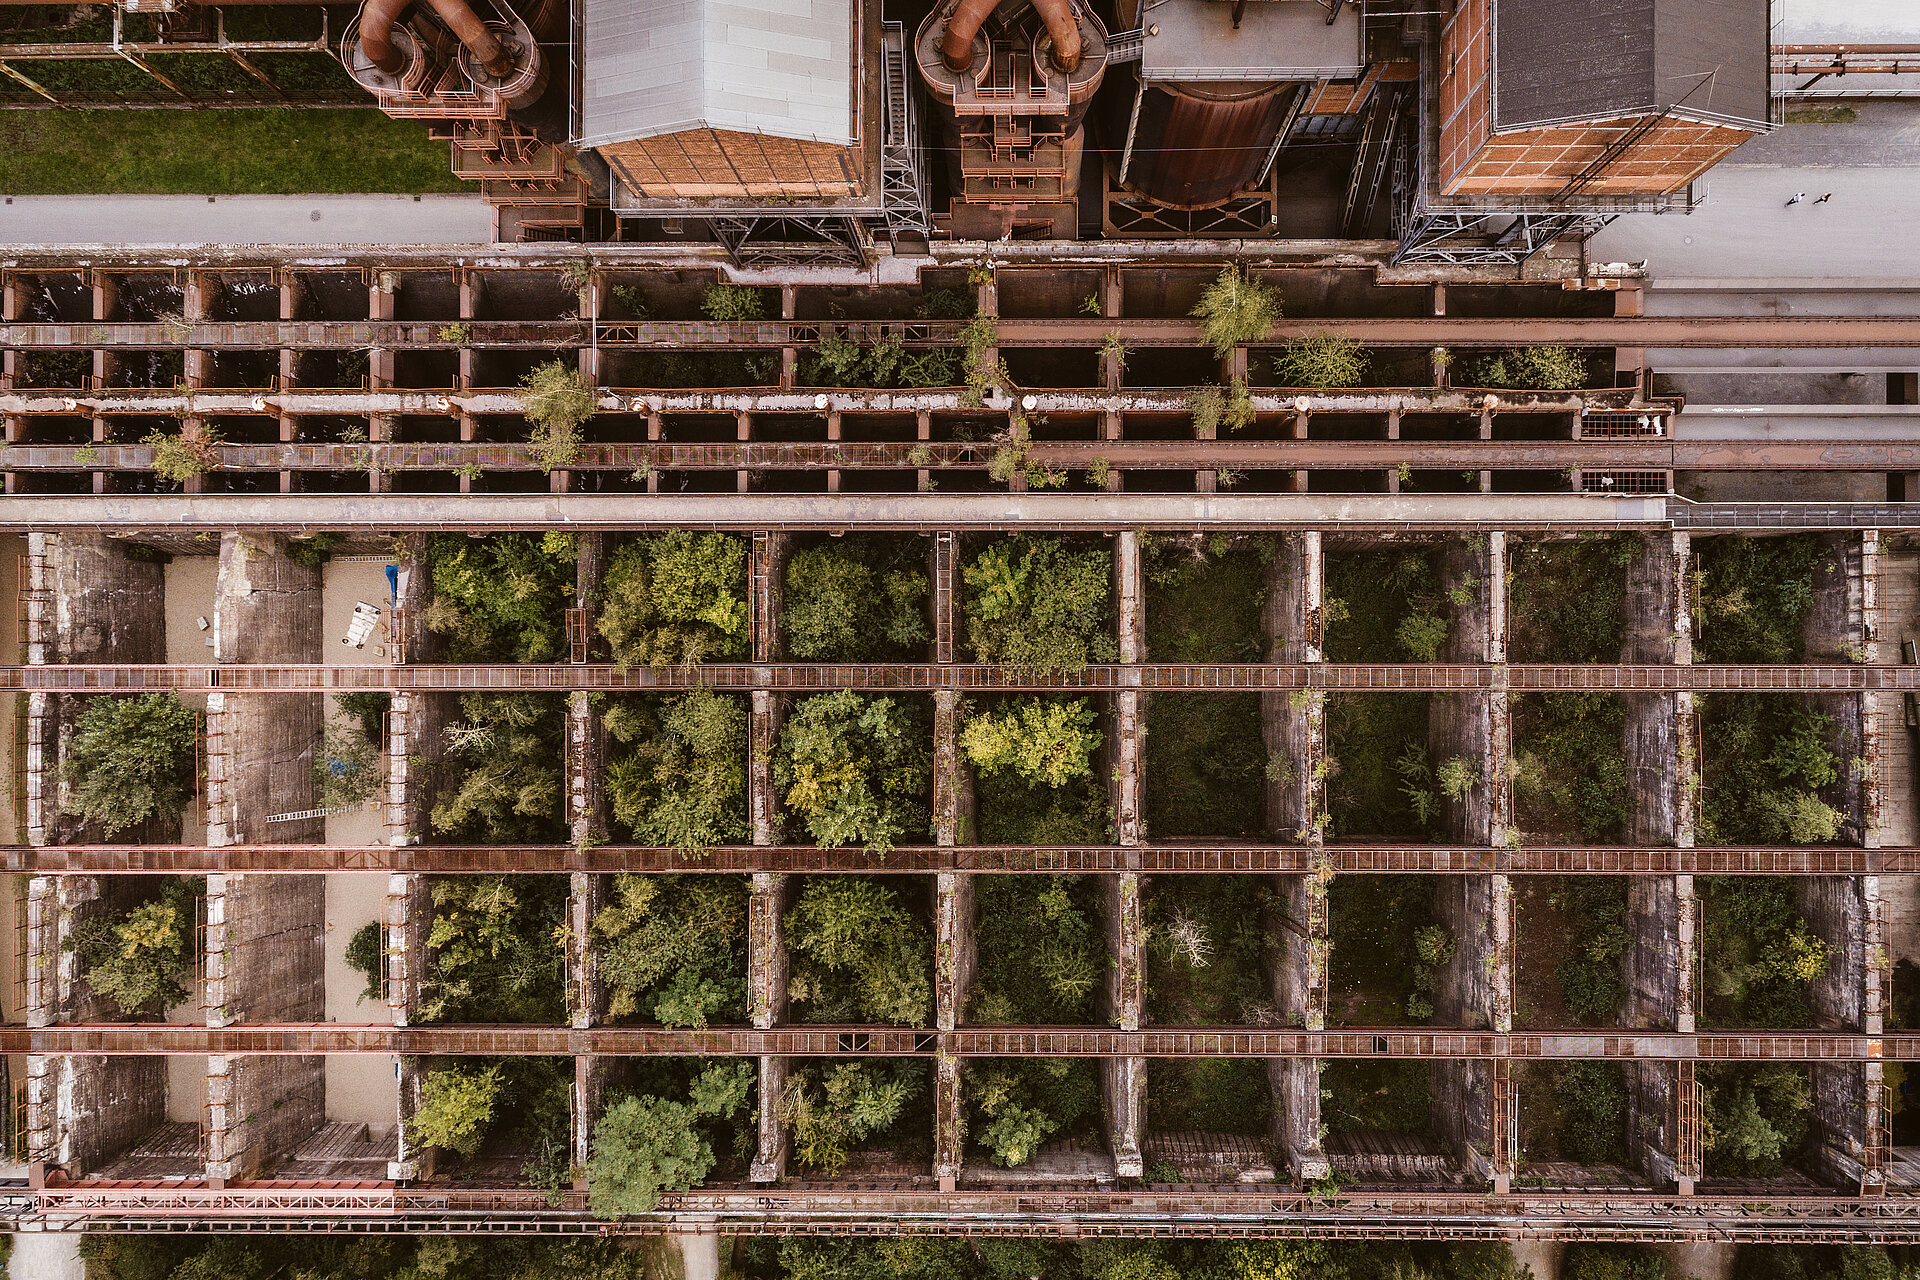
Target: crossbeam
307 1039
1152 859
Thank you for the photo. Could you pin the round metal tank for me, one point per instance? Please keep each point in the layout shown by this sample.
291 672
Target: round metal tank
523 85
411 80
1195 145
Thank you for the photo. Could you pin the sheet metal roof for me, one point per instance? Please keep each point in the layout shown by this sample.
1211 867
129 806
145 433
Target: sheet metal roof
1194 40
778 67
1555 60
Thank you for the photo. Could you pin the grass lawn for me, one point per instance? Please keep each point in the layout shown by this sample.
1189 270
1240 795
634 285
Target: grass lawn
273 151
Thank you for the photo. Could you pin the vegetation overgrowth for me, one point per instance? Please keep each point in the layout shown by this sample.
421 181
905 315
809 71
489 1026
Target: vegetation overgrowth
1209 952
1760 956
674 597
1037 604
854 768
141 960
1569 769
673 949
648 1141
1363 1096
1769 771
1204 597
128 760
1387 950
500 780
836 1109
1035 781
1754 1119
501 598
1566 601
482 1110
1206 763
1016 1105
860 952
681 778
861 598
494 950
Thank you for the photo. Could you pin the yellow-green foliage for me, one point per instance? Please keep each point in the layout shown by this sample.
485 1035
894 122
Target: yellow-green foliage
1234 309
1045 740
676 597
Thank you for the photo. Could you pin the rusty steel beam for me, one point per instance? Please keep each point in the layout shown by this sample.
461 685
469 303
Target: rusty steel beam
1126 455
899 1207
1439 331
1152 859
1161 677
307 1039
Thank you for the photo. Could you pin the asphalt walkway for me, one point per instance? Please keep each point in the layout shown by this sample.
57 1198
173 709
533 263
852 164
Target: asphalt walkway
198 220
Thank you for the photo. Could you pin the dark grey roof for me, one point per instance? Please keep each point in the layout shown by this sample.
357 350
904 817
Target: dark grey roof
1559 60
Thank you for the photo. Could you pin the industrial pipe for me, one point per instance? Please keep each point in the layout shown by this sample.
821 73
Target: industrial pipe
376 35
956 44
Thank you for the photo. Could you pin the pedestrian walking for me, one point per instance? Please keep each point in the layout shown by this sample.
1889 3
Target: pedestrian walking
1823 199
1798 196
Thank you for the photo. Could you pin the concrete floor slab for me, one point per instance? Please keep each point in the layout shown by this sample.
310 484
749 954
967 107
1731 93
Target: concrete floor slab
354 899
186 1084
344 582
364 1089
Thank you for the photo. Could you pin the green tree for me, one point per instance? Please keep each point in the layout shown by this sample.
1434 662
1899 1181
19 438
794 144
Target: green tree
456 1109
1532 369
1035 605
858 954
673 948
831 1109
501 598
127 760
854 769
676 597
509 750
557 399
494 954
1611 1262
645 1145
1321 360
366 953
180 457
843 607
1049 741
139 961
1234 309
684 782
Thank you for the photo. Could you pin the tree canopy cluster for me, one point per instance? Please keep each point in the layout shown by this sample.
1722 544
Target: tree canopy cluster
673 949
1036 604
1754 1119
682 782
644 1145
505 757
520 1103
495 951
854 769
139 960
859 954
830 1109
128 760
501 598
676 597
1760 955
857 599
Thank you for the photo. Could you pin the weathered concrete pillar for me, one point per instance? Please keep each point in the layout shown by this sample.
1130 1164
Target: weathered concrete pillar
1475 988
587 813
87 602
590 1074
1293 732
1124 1080
954 953
1657 739
1876 708
771 893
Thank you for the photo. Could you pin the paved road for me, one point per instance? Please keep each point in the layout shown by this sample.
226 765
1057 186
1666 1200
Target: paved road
187 220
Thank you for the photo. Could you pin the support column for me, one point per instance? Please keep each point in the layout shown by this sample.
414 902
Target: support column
767 965
1471 1104
1124 1080
265 959
1293 730
954 956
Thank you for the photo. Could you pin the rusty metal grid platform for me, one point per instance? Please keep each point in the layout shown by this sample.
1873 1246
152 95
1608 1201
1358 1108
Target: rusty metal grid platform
1162 677
309 1039
1146 859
